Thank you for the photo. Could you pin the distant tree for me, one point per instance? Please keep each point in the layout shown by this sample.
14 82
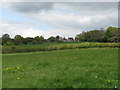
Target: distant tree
42 39
80 37
96 35
5 38
57 38
38 40
28 40
93 35
18 39
51 39
115 36
110 34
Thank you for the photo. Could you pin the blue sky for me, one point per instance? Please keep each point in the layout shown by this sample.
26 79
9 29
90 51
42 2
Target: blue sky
17 17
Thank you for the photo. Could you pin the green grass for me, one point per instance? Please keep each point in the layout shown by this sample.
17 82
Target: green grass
77 68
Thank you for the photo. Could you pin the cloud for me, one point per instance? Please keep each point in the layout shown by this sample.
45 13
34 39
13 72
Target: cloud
25 31
76 21
83 8
66 19
86 7
30 7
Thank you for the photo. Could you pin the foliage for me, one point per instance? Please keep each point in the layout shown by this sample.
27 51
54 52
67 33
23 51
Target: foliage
54 46
9 43
18 39
5 38
109 35
51 39
38 40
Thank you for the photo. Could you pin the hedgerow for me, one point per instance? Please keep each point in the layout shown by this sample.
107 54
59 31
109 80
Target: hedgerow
60 46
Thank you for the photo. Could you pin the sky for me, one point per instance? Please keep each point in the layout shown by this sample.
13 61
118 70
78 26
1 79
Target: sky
66 19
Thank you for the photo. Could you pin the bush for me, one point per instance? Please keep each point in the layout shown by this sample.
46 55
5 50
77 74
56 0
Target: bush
9 43
33 48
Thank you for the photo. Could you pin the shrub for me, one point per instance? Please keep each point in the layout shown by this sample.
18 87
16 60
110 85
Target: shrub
51 47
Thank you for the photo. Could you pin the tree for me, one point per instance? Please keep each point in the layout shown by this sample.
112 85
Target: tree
18 39
96 35
5 38
38 40
42 39
115 35
111 34
57 38
28 40
80 37
51 39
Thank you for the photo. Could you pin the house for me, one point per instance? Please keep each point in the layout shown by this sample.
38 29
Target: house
63 39
70 39
66 40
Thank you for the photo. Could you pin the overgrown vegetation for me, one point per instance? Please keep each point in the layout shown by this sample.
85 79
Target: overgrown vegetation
55 46
78 68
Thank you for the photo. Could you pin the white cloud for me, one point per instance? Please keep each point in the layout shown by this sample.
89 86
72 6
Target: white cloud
79 17
17 29
76 21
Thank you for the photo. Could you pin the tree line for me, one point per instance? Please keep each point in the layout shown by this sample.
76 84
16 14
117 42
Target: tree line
18 39
111 34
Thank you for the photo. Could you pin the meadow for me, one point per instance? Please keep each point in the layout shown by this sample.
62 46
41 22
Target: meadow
75 68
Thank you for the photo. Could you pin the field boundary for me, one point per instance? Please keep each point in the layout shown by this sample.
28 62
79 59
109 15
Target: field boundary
61 46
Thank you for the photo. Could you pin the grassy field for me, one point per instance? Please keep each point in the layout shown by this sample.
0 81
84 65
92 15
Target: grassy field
77 68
